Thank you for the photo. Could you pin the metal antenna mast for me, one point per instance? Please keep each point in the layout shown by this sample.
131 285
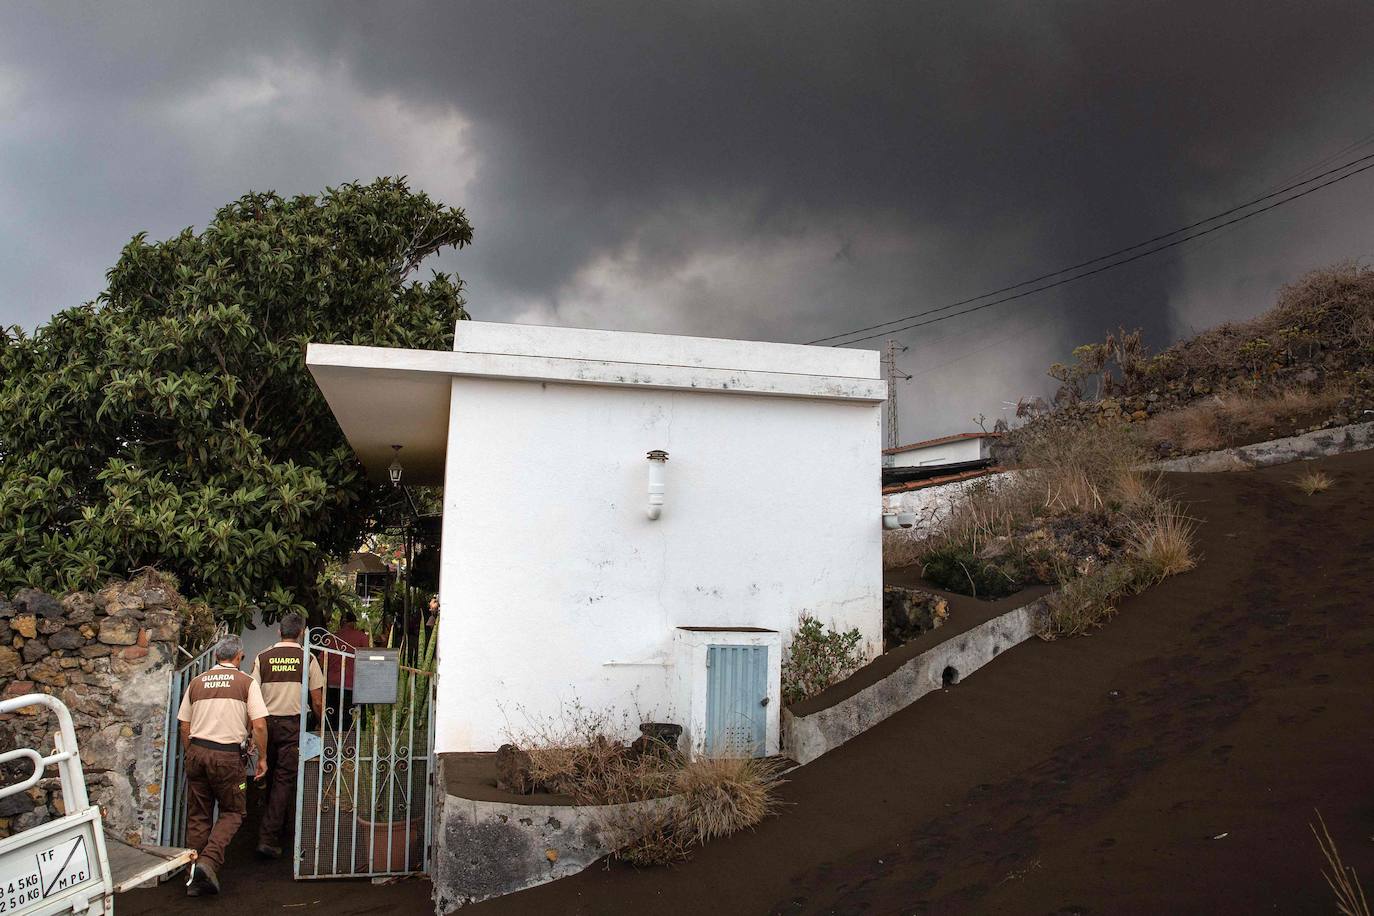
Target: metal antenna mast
893 373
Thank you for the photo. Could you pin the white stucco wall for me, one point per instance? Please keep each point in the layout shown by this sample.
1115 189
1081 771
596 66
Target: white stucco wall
944 453
557 587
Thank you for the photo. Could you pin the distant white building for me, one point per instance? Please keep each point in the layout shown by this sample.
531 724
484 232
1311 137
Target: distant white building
633 522
958 449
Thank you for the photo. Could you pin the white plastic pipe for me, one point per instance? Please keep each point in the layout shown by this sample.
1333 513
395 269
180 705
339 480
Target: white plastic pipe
658 481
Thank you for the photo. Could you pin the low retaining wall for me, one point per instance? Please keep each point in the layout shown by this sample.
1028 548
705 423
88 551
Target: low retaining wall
807 737
1319 444
483 849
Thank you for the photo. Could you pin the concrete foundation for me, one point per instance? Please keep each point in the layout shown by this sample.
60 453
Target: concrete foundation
807 737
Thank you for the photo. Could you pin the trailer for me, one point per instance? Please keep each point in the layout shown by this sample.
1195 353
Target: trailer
69 864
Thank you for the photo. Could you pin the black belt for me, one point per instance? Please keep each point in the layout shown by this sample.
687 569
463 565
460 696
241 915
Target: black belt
216 746
294 715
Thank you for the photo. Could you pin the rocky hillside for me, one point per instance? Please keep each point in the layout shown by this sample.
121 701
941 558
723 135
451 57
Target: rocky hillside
1307 363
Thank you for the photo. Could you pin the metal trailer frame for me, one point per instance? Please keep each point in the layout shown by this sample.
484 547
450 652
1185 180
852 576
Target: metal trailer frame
60 866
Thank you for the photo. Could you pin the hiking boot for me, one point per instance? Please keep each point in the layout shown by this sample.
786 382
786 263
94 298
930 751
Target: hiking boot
204 882
267 851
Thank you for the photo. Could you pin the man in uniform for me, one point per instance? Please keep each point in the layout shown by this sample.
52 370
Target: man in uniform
279 670
218 712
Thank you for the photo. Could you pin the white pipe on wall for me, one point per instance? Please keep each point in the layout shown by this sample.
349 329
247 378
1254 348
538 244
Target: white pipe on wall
658 481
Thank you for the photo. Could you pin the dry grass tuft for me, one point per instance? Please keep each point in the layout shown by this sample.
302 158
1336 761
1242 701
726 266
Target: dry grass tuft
689 801
575 755
1162 543
1344 883
712 797
1313 482
901 548
1085 602
1230 418
724 795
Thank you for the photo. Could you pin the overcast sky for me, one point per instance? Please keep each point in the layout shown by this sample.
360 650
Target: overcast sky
777 171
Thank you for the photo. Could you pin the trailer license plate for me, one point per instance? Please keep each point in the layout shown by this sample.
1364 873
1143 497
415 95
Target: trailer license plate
31 875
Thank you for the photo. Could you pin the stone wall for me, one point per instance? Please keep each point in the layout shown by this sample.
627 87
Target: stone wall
108 655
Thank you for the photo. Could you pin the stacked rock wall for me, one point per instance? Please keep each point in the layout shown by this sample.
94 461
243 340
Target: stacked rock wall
108 655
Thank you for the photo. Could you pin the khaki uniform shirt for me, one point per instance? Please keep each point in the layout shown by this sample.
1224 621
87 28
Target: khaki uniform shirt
220 703
278 670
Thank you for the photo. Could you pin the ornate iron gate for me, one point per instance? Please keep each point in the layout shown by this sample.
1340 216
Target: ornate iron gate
172 829
365 782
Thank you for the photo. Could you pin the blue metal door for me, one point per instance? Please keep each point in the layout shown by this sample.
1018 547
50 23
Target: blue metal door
736 700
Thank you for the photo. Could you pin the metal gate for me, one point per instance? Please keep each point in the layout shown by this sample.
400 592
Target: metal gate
172 830
736 700
364 785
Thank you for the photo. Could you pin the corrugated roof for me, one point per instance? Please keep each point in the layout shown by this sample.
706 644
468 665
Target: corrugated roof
956 437
940 481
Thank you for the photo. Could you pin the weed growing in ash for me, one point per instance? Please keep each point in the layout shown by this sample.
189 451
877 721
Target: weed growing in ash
1313 482
1344 883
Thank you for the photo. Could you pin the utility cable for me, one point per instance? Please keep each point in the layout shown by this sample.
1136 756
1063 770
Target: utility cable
1097 270
1112 254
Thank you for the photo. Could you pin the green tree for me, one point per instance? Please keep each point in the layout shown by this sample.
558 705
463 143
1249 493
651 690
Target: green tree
173 423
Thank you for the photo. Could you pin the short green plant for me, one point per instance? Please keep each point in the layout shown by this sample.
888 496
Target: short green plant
818 657
957 568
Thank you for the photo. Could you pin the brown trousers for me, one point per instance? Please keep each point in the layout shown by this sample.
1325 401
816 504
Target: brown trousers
213 776
283 755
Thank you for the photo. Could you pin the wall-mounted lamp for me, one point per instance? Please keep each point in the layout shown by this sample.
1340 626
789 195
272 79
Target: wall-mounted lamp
658 481
395 469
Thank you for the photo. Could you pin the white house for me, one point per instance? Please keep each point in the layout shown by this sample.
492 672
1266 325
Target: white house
958 449
633 522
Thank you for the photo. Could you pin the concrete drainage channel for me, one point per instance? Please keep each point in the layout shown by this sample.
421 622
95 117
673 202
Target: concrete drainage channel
806 737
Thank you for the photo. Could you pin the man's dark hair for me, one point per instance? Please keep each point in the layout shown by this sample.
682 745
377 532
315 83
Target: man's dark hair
348 617
291 626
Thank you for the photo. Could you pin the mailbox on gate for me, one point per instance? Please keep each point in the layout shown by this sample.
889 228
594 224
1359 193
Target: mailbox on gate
375 674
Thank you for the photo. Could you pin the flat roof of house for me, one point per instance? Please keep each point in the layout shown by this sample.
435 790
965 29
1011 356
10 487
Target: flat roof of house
384 396
956 437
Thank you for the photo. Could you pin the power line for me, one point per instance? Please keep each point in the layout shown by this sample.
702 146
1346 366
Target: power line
1097 270
1113 254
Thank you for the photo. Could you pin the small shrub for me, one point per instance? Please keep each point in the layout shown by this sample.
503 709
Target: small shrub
958 569
1162 543
817 657
1313 482
1085 601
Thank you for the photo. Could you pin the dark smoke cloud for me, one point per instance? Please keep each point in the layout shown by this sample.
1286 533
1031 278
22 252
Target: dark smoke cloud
779 171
